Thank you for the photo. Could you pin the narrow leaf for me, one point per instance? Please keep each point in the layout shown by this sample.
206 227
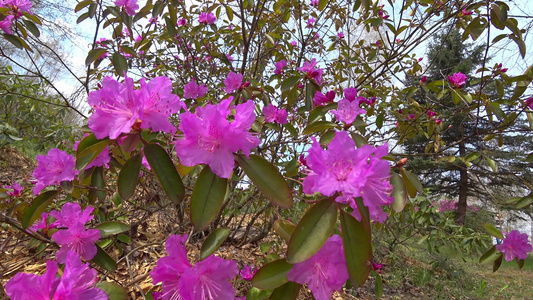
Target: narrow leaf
165 171
267 179
284 229
38 206
112 228
104 260
312 231
288 291
207 198
399 193
272 275
493 231
213 241
113 290
128 176
357 249
119 63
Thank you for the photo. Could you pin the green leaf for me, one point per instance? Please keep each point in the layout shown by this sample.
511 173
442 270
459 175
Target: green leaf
520 263
124 238
113 290
412 183
165 171
120 64
288 291
88 150
207 198
94 55
272 275
31 27
312 231
524 202
318 126
213 241
267 179
289 82
357 249
82 5
38 206
379 285
112 228
98 182
104 260
13 39
492 164
257 294
128 176
399 193
489 256
322 4
497 263
493 231
284 229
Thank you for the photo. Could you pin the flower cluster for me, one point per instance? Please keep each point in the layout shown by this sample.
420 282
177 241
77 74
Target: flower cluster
515 245
273 113
351 172
279 66
209 138
321 99
457 79
16 8
207 18
192 90
14 190
119 107
76 283
73 236
53 168
207 279
232 82
348 108
312 71
130 6
325 271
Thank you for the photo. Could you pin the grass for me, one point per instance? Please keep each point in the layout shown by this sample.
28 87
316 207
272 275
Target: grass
414 273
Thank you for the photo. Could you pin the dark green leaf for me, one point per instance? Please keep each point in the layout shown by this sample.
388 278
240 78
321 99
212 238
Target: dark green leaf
288 291
497 263
322 4
104 260
399 193
312 231
165 171
128 177
379 285
38 206
267 179
284 229
82 4
13 39
272 275
489 256
112 228
113 290
357 249
30 26
289 82
120 64
207 198
493 231
318 126
213 241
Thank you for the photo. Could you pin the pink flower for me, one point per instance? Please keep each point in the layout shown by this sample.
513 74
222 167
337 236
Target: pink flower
279 66
206 18
347 111
515 245
465 13
76 283
17 6
5 24
340 35
129 5
101 160
54 168
193 90
438 121
529 102
310 22
78 239
431 114
72 214
378 267
207 279
351 172
457 80
182 22
211 139
16 189
311 72
294 43
321 99
423 79
272 114
247 273
314 3
351 95
42 223
232 82
325 271
119 106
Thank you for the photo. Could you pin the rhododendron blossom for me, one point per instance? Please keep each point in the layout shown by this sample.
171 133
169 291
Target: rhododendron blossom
53 168
457 80
192 90
14 190
118 107
209 138
347 111
312 72
5 24
515 245
71 214
279 66
232 82
206 18
101 160
321 99
129 5
207 279
352 172
325 271
273 113
42 223
76 283
247 273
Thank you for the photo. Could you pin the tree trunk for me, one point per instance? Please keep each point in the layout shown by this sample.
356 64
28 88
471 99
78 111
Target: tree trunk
463 187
